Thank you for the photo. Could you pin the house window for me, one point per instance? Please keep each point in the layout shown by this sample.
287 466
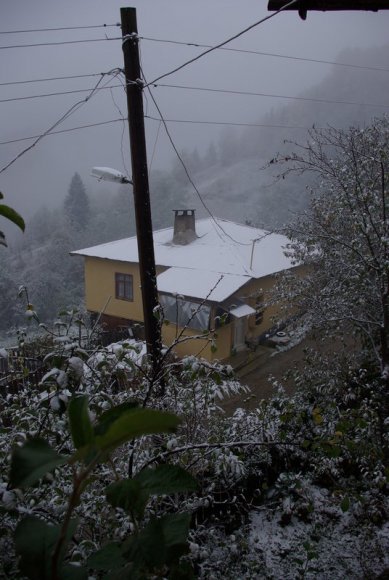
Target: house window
123 287
185 313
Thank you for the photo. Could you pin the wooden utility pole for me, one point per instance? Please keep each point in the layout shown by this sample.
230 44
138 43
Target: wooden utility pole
144 228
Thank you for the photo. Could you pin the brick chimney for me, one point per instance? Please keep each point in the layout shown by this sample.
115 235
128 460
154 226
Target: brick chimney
184 226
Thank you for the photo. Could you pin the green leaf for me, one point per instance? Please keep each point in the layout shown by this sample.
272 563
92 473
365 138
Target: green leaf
181 571
317 417
332 451
32 461
128 572
345 504
129 495
135 423
162 541
35 541
298 561
146 549
176 529
217 378
13 216
107 418
166 479
80 424
343 425
109 557
71 572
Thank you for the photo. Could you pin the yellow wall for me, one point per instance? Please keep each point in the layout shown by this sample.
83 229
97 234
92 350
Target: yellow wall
273 313
198 346
100 289
225 334
264 287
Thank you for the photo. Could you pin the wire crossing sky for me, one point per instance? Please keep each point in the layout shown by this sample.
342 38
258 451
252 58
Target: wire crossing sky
274 60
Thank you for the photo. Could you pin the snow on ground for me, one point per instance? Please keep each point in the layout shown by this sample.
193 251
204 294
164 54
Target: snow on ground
296 334
320 544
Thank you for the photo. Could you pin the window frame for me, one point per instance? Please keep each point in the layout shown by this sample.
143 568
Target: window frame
128 284
175 310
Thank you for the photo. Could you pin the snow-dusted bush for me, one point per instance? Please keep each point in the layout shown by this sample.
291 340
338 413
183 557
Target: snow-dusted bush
318 507
111 378
304 468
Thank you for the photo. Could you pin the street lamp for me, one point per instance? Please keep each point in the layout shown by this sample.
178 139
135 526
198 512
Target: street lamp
108 174
147 272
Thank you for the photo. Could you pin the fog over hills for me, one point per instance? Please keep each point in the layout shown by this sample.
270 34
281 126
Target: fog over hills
235 186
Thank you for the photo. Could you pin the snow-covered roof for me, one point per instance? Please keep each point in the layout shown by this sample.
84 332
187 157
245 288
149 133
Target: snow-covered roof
199 283
226 251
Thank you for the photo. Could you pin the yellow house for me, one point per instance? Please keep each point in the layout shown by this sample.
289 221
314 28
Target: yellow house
213 275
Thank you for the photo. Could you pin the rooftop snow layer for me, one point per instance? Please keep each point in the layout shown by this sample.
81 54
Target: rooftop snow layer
222 247
199 283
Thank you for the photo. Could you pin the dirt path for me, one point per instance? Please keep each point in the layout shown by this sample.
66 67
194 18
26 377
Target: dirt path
276 364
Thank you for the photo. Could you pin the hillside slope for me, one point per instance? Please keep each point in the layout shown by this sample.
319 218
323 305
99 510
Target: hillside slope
234 184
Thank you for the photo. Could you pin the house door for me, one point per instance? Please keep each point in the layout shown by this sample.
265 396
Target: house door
239 333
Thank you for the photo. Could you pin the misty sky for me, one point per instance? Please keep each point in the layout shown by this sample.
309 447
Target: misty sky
42 175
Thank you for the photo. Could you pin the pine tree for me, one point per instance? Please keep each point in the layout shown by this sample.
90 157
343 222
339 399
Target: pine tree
76 204
211 157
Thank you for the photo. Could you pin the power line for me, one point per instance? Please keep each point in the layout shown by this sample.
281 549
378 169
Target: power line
43 95
176 150
200 45
214 221
186 170
69 112
205 89
64 130
158 119
271 54
274 96
155 143
151 118
69 77
122 116
50 79
232 123
59 43
167 120
221 44
57 29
